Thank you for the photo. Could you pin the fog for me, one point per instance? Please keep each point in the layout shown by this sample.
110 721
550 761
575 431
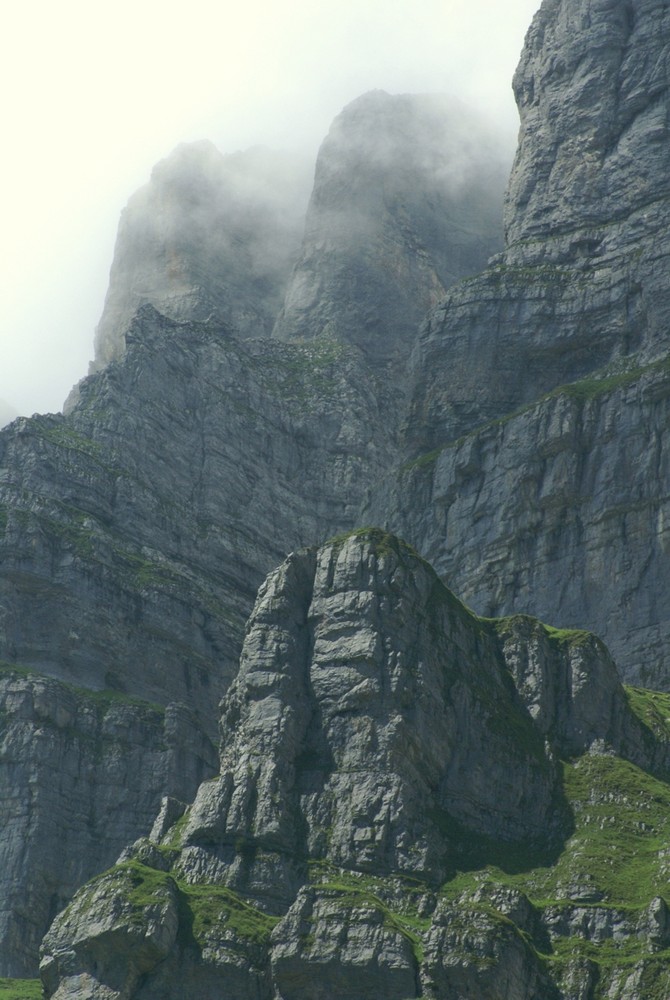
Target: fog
99 94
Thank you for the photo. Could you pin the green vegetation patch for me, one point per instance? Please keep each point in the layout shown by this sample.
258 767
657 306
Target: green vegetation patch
101 699
583 390
20 989
215 908
526 623
395 897
652 709
382 542
618 854
204 910
306 371
57 432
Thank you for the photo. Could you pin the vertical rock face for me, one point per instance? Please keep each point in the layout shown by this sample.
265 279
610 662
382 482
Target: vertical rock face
209 237
376 735
80 776
559 349
592 89
560 510
136 529
406 201
583 279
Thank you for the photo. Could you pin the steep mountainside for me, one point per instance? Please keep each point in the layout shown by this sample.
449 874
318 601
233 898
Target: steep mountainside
81 775
411 800
377 738
559 509
406 201
134 533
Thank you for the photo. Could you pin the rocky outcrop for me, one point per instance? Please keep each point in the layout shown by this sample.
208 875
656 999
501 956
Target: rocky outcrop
412 800
559 510
135 531
209 237
81 774
406 201
378 739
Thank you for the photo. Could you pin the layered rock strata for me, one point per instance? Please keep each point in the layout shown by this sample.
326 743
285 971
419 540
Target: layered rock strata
556 505
81 774
378 739
582 279
137 529
569 499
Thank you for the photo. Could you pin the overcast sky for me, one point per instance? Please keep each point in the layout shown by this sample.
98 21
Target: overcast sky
94 94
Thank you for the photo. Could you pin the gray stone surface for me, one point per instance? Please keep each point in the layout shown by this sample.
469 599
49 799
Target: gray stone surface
375 730
80 776
137 529
560 511
378 735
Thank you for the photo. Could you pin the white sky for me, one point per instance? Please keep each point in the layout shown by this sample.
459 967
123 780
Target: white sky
94 94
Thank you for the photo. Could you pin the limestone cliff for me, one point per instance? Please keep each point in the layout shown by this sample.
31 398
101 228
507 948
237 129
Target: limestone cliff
559 350
135 531
378 736
381 747
406 201
560 509
81 774
582 280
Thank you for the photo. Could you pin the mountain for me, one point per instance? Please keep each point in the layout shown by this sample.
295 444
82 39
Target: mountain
398 796
377 738
545 427
406 201
209 237
137 527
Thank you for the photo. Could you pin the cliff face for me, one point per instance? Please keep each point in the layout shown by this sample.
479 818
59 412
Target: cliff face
377 738
406 201
81 774
550 488
560 510
137 528
209 237
582 280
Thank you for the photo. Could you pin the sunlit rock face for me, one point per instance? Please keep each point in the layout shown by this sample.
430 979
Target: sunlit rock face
592 92
406 201
209 237
376 731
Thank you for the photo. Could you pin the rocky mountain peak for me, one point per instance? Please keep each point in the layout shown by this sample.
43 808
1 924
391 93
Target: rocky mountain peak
209 237
376 732
406 200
